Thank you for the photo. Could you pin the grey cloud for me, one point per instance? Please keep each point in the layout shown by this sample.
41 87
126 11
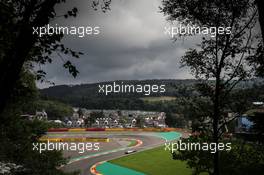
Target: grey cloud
131 45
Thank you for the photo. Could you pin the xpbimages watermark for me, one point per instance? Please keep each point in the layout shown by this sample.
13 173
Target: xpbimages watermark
81 147
197 146
193 30
146 89
80 31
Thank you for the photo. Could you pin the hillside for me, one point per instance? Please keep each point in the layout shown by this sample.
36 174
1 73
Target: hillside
87 95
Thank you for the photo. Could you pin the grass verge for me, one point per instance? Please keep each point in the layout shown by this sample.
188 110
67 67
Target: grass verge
155 161
157 99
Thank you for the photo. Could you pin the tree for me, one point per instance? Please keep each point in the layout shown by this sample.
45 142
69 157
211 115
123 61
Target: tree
258 60
17 134
258 125
54 109
80 112
21 48
243 158
16 147
261 16
222 58
95 116
140 122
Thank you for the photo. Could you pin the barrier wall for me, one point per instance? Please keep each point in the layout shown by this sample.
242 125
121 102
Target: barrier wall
114 129
76 130
85 139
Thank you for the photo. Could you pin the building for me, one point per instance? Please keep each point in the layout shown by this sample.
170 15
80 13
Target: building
121 118
39 115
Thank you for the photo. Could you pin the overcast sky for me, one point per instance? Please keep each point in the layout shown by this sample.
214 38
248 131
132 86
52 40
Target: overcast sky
131 44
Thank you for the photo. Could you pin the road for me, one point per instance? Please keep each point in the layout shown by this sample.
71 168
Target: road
84 165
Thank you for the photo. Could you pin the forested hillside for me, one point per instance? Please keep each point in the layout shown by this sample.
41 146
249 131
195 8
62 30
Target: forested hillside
87 96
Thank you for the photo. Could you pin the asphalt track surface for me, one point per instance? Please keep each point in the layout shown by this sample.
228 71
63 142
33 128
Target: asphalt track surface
84 165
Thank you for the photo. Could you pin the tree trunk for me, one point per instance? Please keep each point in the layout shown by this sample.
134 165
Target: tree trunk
216 123
13 62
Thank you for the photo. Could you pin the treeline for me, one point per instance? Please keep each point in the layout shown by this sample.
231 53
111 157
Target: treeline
77 92
87 95
179 110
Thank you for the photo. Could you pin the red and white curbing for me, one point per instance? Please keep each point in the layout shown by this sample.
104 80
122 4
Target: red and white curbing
139 142
93 168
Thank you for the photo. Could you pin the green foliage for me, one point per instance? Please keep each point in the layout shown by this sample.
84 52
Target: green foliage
188 104
24 94
258 125
243 158
17 134
21 16
87 96
20 51
54 109
93 116
17 137
198 160
139 122
258 60
223 57
21 48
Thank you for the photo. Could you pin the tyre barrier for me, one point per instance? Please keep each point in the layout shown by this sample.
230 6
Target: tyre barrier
114 129
95 129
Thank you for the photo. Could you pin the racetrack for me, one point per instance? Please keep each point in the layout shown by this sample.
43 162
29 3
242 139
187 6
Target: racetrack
83 162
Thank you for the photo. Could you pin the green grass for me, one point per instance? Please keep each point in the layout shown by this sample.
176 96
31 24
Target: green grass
132 143
156 99
156 161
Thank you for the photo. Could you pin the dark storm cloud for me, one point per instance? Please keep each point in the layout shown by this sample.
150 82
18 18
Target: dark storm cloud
131 44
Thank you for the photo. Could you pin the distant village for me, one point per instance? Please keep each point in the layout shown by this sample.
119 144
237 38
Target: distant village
82 117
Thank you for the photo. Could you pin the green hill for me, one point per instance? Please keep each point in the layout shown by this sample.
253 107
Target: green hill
87 95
